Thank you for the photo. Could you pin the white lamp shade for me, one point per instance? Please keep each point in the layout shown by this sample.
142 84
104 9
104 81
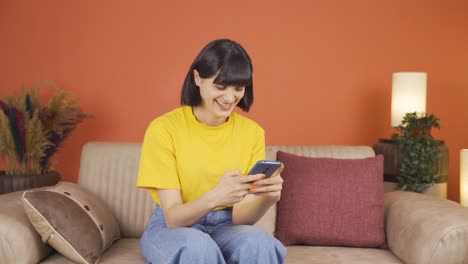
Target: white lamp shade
408 94
464 177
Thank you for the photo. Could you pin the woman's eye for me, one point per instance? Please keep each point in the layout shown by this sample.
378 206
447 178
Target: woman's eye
220 87
240 89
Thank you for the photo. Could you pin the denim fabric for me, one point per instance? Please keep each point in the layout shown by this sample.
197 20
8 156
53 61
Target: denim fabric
213 239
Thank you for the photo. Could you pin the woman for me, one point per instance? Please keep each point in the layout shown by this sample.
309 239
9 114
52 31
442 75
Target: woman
194 160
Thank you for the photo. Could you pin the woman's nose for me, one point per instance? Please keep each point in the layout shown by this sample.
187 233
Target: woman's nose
229 98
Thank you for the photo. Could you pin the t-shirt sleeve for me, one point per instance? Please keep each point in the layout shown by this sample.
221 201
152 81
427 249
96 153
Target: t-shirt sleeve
158 168
258 149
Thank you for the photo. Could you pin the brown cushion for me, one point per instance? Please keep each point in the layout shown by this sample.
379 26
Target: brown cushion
72 220
329 201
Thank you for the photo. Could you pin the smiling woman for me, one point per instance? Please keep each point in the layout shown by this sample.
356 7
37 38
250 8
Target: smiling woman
219 79
218 101
194 161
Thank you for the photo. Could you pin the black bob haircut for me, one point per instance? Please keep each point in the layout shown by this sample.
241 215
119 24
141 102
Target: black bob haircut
232 65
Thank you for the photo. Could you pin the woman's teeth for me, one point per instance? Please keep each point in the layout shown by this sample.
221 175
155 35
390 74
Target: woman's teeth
224 106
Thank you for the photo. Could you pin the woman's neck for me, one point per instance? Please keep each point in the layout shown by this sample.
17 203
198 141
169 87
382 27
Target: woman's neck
207 118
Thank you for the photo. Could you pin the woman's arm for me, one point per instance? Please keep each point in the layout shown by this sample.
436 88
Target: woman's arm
230 189
180 214
263 195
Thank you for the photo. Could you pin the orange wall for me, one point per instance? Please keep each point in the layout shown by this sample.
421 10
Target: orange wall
322 69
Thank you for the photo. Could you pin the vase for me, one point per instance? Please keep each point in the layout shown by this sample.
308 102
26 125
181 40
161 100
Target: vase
391 152
13 183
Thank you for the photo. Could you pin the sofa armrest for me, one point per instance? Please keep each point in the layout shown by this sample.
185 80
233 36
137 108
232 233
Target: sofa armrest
19 241
426 229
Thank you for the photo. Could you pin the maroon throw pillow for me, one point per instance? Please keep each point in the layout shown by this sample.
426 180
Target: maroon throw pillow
331 202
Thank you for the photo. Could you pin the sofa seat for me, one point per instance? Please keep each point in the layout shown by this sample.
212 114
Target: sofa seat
123 251
127 250
339 255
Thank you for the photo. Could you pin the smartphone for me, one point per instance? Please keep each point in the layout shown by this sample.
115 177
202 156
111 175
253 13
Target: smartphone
267 167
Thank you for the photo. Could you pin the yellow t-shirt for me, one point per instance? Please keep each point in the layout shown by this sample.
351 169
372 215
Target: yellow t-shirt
181 153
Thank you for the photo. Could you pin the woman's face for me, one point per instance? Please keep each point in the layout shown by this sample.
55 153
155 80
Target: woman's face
218 101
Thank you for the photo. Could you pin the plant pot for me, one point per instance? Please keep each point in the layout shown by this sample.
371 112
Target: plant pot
391 152
13 183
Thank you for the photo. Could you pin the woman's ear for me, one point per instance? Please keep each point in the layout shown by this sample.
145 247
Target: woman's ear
196 77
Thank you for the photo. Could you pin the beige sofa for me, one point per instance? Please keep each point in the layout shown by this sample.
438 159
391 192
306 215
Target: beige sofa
419 228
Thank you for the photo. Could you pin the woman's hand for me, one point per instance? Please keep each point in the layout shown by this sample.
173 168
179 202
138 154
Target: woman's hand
233 187
270 187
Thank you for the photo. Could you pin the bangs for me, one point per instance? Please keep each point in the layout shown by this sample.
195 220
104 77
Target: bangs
236 71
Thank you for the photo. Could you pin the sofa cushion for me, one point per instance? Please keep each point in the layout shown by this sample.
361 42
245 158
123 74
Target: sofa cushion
339 255
329 201
72 220
123 251
19 241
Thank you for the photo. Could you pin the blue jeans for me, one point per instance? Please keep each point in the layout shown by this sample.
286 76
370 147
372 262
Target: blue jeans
213 239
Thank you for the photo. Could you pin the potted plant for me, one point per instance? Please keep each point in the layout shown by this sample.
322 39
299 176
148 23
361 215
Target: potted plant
419 152
31 133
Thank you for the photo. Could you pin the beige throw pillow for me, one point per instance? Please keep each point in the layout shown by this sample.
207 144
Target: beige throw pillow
72 220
